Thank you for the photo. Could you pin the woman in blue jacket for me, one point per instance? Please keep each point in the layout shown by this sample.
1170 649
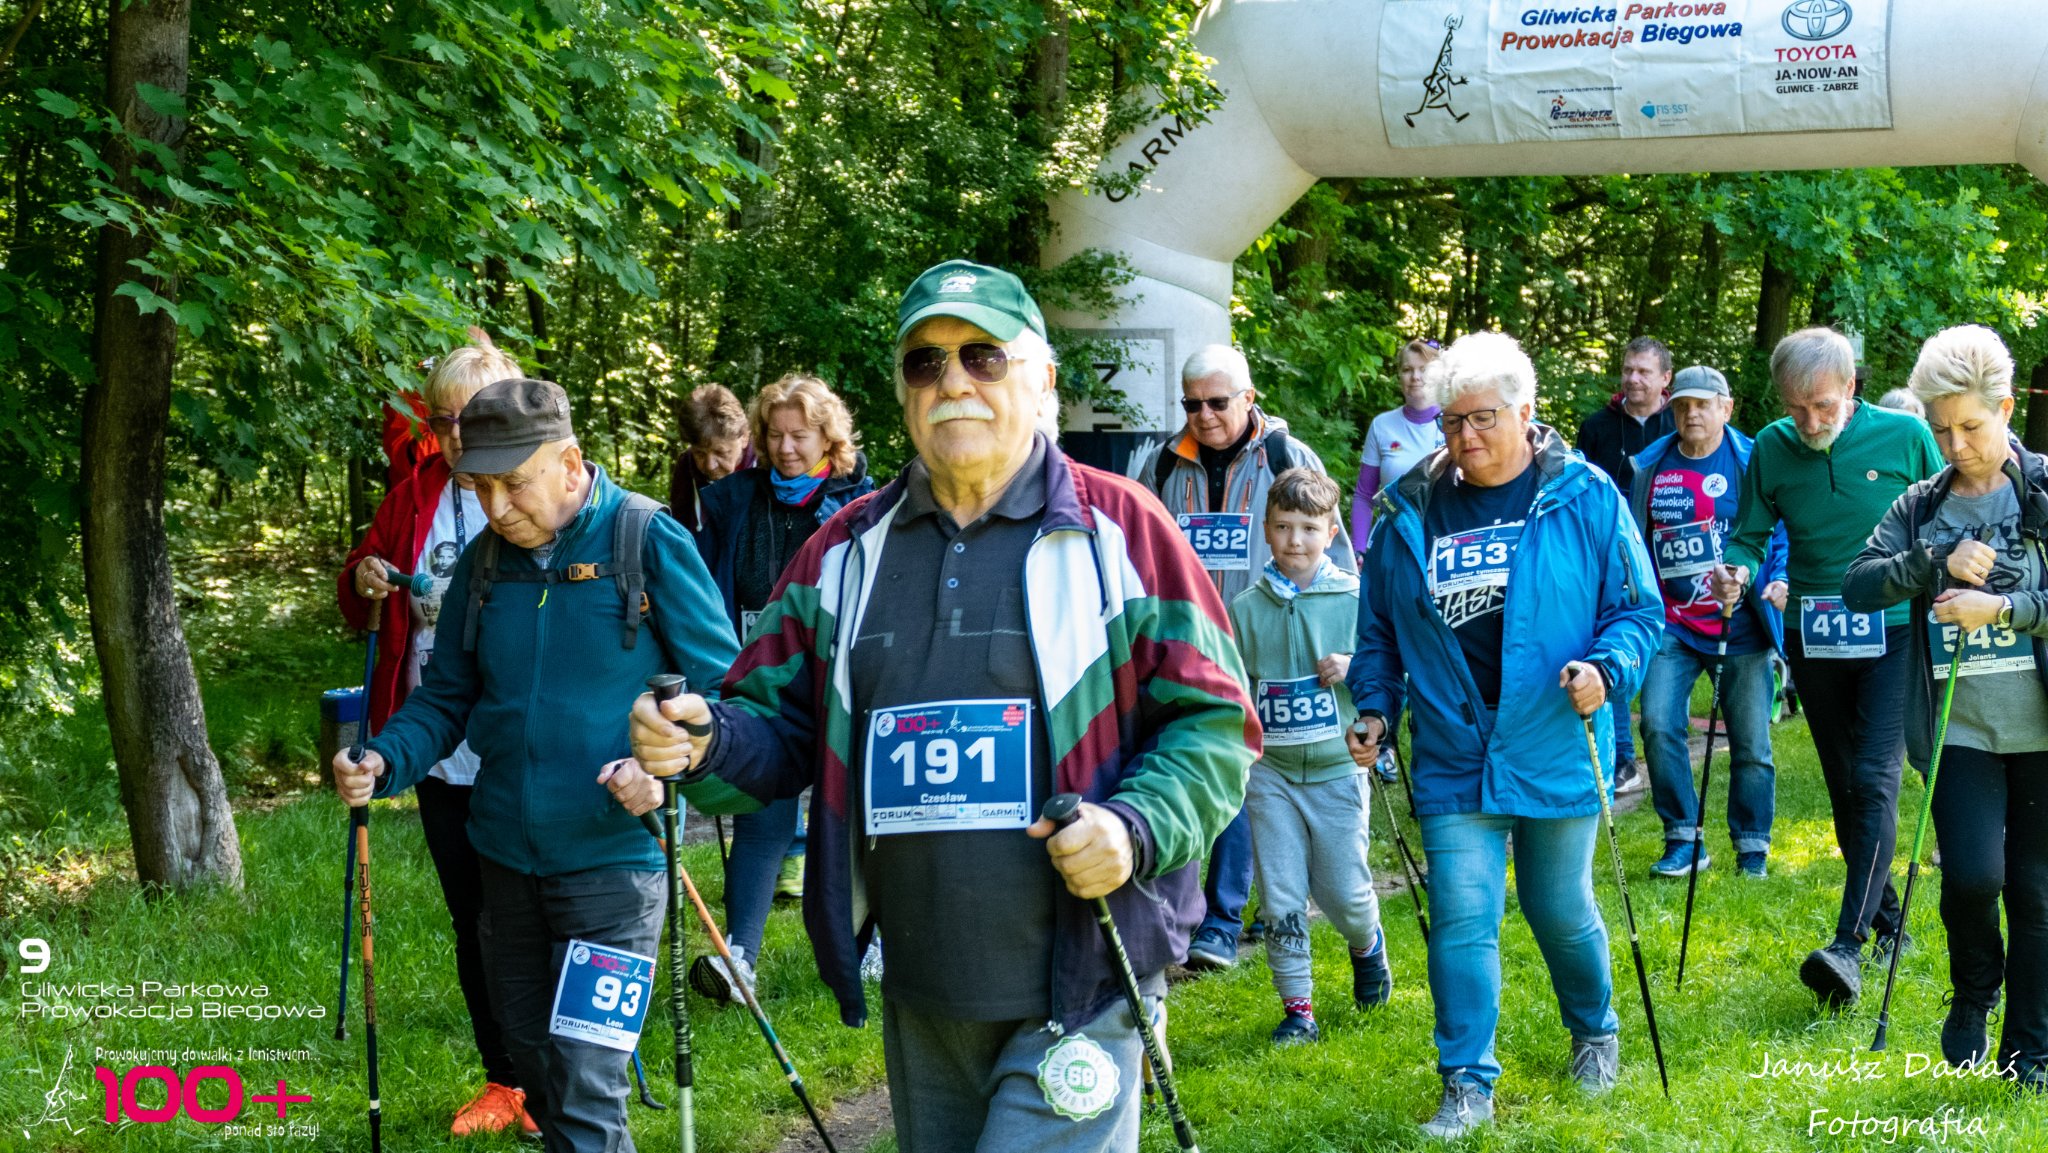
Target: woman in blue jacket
1509 594
754 522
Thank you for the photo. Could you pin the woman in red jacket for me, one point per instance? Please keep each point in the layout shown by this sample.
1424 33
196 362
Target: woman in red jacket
423 526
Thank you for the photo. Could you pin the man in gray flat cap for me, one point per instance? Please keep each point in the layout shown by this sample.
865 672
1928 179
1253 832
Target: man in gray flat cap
552 623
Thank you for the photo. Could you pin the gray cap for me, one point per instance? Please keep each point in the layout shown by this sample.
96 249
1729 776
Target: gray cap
504 423
1698 380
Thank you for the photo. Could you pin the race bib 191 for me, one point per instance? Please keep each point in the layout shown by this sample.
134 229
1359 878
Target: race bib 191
601 995
1829 631
1685 550
1985 650
1222 540
949 766
1479 558
1297 712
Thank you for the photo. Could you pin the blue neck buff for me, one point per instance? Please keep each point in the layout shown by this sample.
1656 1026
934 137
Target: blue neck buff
798 491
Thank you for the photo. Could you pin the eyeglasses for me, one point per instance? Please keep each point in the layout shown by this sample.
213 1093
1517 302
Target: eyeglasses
442 425
925 366
1480 421
1193 404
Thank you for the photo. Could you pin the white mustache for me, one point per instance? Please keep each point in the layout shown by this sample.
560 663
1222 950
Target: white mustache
966 408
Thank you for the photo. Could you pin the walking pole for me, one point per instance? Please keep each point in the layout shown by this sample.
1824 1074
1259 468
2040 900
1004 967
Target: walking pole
1628 910
1418 885
1948 697
640 1078
360 820
1062 810
348 875
665 687
1699 824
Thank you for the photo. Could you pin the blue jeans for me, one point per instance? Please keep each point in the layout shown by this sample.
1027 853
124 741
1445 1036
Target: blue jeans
1667 723
1624 734
1468 866
760 840
1229 883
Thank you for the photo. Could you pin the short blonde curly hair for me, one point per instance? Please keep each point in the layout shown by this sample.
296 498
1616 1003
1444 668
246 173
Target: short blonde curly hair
821 408
465 372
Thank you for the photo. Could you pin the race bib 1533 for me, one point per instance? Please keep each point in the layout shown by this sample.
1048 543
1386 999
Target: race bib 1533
1297 712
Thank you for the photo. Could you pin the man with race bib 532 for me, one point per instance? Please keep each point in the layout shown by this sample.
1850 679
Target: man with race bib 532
1213 478
1830 469
1686 489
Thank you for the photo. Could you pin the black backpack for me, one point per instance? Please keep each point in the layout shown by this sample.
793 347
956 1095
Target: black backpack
629 536
1279 457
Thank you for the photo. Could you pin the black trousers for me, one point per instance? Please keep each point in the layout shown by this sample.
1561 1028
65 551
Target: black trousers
444 816
1991 812
1857 712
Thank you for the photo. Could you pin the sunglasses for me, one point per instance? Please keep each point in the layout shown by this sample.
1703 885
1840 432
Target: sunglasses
925 366
1193 404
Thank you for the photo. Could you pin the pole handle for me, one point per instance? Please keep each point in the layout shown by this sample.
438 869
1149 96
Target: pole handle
669 686
1062 809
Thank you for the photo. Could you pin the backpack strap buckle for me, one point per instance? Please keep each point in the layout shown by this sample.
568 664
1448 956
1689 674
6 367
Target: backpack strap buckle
582 572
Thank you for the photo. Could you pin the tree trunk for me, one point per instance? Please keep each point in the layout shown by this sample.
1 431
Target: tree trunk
178 815
1658 276
1773 306
537 318
2036 436
1044 111
358 500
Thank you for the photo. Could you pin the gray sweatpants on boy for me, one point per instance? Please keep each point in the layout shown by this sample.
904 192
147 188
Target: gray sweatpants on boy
988 1087
1310 841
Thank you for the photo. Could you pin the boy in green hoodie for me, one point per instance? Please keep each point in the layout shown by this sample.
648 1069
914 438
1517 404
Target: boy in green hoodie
1306 799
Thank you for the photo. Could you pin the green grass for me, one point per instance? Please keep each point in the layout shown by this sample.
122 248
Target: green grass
283 932
266 640
1374 1077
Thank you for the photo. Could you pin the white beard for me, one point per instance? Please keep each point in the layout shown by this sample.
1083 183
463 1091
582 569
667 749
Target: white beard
1826 438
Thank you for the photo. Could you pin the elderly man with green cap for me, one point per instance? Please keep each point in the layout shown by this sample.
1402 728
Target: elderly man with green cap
998 625
553 620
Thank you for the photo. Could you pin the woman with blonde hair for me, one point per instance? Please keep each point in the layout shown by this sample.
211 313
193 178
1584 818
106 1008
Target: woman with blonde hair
1966 547
422 527
754 521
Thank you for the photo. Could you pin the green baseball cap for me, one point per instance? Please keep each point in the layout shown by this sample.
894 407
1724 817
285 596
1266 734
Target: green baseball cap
987 298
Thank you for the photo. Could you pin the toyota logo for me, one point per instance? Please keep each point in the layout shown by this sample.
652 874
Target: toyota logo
1817 19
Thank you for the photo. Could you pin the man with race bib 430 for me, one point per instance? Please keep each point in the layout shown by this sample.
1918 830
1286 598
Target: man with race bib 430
1687 487
1829 470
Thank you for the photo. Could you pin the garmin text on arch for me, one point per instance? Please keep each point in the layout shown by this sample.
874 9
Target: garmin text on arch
1155 150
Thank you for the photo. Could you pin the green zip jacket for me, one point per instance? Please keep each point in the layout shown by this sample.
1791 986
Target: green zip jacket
1830 501
544 696
1281 639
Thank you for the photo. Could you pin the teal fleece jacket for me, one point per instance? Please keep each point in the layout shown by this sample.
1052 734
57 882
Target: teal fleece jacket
1281 640
544 698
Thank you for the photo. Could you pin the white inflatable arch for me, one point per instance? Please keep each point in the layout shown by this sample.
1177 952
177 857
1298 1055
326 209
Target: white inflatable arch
1309 94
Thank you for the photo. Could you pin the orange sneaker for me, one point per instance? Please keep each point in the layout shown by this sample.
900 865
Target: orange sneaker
497 1108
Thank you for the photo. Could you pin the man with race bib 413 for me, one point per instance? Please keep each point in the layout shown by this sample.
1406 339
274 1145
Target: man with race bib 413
1687 487
1829 470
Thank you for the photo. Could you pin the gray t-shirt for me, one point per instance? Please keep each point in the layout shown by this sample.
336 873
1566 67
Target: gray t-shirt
968 915
1995 711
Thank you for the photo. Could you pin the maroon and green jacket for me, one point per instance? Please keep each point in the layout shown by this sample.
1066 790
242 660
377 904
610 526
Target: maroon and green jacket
1143 710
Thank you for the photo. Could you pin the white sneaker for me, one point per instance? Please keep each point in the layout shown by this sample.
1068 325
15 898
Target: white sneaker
710 977
1465 1107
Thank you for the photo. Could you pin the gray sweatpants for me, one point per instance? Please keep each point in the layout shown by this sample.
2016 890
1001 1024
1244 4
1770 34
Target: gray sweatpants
1310 841
575 1090
987 1086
